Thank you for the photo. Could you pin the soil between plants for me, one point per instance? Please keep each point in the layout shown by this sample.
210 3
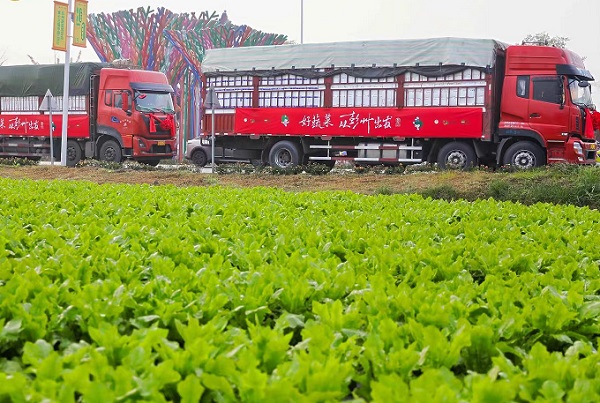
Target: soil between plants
365 183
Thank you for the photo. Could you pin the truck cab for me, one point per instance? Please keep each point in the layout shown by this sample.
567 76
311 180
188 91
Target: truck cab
135 116
544 108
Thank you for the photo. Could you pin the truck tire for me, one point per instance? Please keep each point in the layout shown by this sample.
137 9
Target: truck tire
456 155
284 155
74 153
111 152
524 155
199 157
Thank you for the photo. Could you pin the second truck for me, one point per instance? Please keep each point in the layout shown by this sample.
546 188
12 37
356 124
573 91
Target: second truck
452 101
113 113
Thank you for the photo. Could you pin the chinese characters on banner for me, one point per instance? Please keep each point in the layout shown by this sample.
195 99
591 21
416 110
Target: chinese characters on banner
61 13
347 121
80 23
59 36
22 125
38 125
361 122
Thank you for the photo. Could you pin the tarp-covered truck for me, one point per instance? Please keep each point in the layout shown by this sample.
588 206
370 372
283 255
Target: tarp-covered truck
114 113
457 102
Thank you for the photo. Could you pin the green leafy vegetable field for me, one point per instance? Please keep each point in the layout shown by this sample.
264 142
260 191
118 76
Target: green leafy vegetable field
159 293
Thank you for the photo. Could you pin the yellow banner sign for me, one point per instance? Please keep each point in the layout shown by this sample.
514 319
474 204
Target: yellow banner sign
80 23
59 37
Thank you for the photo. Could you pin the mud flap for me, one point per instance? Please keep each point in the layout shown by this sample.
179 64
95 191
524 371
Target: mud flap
90 149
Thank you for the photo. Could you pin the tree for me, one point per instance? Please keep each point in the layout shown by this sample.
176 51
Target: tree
544 39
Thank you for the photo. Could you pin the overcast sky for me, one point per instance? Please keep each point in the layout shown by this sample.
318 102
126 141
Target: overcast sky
26 28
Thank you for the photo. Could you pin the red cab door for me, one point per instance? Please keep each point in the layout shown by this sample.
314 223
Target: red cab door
547 112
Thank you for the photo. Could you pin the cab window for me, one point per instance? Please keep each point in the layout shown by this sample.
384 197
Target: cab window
118 100
523 86
547 89
108 95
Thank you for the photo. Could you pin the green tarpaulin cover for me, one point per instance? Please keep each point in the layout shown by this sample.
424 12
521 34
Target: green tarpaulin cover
36 79
479 53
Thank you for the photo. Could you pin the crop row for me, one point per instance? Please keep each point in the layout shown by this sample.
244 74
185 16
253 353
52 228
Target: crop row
124 293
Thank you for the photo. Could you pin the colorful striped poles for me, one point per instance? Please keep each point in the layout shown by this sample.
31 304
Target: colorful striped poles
174 44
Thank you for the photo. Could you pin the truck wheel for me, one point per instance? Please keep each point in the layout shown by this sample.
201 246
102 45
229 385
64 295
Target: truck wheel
284 155
111 152
456 155
73 153
199 158
524 155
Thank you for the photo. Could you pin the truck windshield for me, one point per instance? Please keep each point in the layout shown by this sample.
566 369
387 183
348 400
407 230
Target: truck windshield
581 96
147 101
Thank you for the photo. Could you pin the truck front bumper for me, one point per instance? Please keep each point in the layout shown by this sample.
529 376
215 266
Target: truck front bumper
572 151
584 152
143 148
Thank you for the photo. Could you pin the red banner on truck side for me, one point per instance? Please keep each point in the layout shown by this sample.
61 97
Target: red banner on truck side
37 125
361 122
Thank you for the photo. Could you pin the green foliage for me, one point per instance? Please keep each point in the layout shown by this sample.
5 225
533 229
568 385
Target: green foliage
394 169
18 162
384 190
445 192
237 168
242 169
500 189
294 170
317 169
146 293
557 184
424 167
109 165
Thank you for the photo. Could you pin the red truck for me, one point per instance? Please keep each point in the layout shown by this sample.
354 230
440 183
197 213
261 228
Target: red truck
451 101
114 113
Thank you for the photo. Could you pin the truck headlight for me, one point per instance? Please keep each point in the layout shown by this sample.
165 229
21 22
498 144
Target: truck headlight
141 143
578 148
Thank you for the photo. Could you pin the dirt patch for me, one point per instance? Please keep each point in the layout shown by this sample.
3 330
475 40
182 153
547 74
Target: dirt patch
366 183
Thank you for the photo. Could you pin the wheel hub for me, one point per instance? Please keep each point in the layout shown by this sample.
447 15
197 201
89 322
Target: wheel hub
109 154
524 159
284 159
456 159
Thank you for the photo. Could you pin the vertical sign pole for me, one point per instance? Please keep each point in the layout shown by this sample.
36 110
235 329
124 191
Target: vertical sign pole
212 130
212 101
65 110
301 21
198 111
51 131
48 106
